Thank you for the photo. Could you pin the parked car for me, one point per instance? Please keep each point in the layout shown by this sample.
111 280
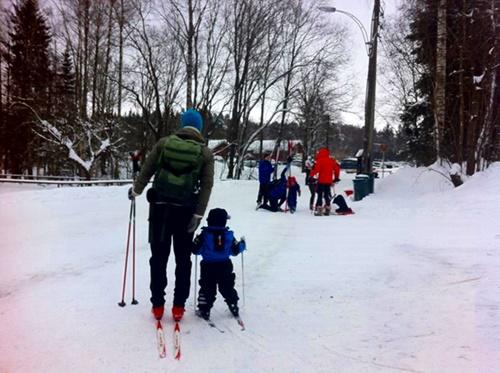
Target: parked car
384 168
349 165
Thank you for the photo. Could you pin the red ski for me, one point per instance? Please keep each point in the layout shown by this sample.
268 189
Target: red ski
160 339
177 341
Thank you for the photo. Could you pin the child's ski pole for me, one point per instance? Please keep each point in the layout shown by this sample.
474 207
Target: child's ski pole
195 280
242 279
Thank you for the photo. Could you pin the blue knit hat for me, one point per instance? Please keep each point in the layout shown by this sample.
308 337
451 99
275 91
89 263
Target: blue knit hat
192 118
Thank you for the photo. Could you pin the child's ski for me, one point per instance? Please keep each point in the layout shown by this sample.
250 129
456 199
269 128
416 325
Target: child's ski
160 340
177 341
209 322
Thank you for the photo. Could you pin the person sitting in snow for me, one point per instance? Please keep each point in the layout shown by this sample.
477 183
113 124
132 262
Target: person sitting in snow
343 209
276 194
293 191
216 243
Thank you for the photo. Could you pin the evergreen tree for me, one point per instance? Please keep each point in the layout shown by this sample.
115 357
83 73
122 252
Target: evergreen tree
66 90
28 67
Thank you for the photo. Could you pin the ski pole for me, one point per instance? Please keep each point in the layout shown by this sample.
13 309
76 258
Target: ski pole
195 280
122 303
242 279
134 301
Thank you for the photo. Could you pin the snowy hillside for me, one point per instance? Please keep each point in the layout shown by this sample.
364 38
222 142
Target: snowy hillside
409 283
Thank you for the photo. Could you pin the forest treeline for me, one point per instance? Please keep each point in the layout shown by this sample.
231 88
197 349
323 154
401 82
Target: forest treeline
83 83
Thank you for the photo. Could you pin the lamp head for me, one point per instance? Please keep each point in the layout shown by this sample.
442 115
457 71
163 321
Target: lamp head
328 9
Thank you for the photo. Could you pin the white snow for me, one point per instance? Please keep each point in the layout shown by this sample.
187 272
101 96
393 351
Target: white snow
478 78
409 283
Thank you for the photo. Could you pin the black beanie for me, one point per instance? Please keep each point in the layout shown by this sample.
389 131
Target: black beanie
217 217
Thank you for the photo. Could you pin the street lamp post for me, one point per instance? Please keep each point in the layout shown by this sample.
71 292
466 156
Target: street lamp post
371 81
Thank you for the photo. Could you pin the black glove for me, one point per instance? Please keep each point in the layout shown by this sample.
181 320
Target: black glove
336 180
194 223
131 193
289 159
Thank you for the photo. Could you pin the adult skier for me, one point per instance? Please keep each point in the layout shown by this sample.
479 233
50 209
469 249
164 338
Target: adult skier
265 171
326 168
184 170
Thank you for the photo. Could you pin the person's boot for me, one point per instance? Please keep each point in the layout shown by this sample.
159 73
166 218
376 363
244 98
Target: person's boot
326 212
177 313
204 314
319 211
157 312
348 211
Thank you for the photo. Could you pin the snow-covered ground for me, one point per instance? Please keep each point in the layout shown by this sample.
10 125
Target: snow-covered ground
409 283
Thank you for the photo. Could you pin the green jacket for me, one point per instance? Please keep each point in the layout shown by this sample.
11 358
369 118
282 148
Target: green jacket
148 169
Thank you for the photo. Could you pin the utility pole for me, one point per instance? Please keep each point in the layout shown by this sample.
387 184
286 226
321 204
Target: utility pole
371 84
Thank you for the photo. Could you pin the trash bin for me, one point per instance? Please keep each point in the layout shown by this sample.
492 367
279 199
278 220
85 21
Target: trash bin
371 182
361 186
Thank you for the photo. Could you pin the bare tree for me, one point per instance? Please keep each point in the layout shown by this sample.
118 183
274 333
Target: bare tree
156 64
440 81
248 20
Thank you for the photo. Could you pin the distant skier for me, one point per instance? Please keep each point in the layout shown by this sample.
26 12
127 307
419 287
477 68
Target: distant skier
276 193
326 168
265 171
311 182
135 156
216 243
293 191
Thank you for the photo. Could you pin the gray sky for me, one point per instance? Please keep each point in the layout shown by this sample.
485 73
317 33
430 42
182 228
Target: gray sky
361 9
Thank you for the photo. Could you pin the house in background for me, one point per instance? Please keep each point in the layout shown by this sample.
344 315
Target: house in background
221 148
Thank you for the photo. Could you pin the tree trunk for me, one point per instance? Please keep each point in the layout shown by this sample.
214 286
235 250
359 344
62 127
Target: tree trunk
85 62
106 107
189 64
120 59
459 140
440 84
95 100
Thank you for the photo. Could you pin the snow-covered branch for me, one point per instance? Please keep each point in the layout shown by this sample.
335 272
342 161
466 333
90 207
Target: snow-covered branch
87 141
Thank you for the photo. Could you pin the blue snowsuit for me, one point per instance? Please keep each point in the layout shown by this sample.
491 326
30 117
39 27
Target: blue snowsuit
276 193
265 171
293 191
216 245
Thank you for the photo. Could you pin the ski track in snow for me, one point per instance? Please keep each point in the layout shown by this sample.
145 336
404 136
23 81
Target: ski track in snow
409 283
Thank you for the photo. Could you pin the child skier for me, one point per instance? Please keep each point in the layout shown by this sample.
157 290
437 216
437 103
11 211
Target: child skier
216 243
293 190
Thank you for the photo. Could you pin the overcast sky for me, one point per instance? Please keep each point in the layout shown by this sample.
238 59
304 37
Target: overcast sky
361 9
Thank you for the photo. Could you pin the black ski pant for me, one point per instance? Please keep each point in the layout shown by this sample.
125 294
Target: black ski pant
274 204
312 190
263 189
323 191
213 275
169 223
